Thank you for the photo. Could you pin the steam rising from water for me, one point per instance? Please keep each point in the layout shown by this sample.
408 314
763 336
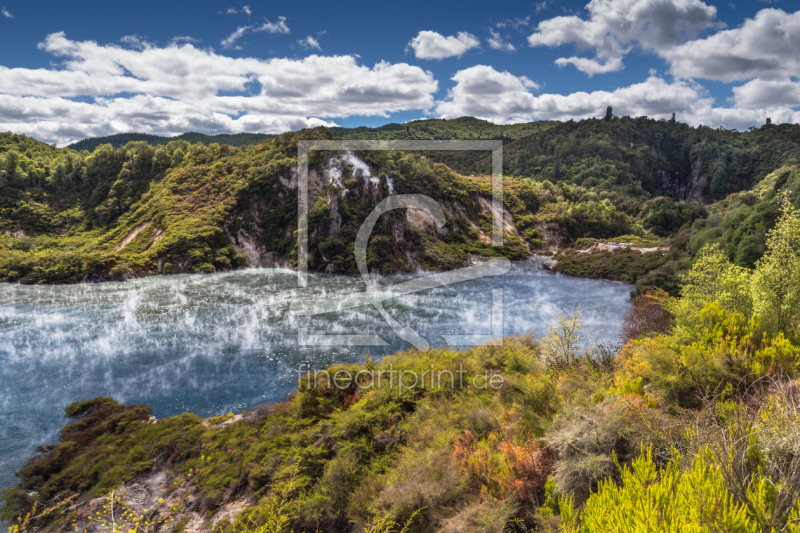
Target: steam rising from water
218 343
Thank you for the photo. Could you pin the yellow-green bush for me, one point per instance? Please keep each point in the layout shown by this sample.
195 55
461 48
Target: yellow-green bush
669 499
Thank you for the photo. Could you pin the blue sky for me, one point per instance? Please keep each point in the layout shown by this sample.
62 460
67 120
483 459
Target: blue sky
70 70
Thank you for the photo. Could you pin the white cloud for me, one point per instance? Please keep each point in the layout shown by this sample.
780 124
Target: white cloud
184 39
274 27
233 11
180 87
502 97
230 40
267 26
767 46
483 92
614 27
135 41
6 13
432 45
592 66
760 93
497 42
309 43
516 23
763 51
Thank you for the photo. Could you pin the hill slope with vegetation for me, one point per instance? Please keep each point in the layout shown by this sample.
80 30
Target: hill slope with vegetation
661 186
121 139
70 216
691 423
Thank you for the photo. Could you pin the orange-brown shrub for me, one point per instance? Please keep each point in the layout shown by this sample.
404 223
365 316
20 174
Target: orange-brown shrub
646 315
498 466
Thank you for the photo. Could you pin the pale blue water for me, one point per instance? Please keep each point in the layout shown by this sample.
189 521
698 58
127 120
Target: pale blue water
212 344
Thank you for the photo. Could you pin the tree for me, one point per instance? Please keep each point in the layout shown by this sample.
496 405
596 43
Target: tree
609 114
719 185
776 281
561 347
713 278
749 251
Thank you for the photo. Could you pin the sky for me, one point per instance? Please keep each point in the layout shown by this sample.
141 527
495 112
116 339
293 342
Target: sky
71 70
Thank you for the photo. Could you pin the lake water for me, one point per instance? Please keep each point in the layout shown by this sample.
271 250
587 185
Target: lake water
219 343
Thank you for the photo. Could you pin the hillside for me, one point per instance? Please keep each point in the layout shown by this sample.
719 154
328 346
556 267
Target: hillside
443 129
121 139
140 210
143 209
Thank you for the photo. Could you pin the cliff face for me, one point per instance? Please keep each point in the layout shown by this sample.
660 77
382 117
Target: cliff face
343 190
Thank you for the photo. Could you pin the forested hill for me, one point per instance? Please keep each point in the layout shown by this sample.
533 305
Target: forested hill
121 139
145 208
443 129
460 128
666 158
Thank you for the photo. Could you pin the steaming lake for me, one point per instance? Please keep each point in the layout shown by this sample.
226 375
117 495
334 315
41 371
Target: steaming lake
212 344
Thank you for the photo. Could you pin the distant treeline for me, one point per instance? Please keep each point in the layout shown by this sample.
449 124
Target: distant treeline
345 132
121 139
422 129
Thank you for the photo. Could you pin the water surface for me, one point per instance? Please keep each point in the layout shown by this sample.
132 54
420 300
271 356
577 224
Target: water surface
212 344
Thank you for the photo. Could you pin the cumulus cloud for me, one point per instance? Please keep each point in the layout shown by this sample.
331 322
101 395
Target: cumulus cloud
6 13
497 42
614 27
309 43
483 92
767 47
502 97
763 51
760 93
432 45
268 27
181 87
